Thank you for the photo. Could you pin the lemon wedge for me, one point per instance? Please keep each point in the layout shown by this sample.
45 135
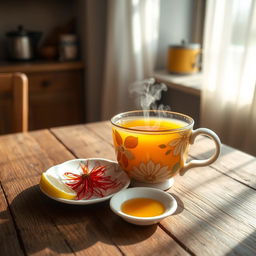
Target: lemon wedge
55 188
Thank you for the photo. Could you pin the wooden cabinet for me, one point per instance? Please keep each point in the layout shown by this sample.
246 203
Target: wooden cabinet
55 93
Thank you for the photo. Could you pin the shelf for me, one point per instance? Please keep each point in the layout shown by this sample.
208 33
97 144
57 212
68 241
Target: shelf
187 83
40 66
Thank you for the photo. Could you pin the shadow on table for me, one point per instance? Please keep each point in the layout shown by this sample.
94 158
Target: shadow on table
180 207
239 247
45 223
228 219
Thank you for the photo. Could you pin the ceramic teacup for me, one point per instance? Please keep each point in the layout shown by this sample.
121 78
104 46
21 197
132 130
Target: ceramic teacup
152 146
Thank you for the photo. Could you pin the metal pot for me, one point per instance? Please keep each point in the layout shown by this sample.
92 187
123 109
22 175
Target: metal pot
184 58
22 44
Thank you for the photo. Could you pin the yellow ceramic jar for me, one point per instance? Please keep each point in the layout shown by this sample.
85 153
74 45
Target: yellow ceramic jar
184 58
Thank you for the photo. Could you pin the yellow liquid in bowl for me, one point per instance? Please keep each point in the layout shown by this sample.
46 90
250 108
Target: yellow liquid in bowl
142 207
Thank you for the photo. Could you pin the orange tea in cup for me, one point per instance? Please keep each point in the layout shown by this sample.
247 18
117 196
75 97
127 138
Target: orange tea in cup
152 146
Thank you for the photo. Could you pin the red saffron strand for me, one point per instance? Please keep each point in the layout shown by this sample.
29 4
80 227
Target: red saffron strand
90 183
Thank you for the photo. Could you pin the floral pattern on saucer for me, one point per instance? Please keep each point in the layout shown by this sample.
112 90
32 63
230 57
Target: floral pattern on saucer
113 171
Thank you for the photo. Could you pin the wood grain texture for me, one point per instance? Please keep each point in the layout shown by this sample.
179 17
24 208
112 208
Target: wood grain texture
216 213
217 203
84 142
9 242
233 163
47 227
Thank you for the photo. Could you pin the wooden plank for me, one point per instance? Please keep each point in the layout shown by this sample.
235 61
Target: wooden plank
84 142
215 205
132 240
219 214
138 240
45 226
102 130
41 66
231 162
9 243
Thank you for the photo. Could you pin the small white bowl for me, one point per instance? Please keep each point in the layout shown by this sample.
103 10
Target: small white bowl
166 199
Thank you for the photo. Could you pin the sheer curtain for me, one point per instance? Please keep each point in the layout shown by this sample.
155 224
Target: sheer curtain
229 67
132 34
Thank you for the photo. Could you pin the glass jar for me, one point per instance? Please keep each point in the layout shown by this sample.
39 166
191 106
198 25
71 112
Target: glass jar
68 47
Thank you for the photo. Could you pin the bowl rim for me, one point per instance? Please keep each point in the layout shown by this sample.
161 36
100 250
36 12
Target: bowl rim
167 212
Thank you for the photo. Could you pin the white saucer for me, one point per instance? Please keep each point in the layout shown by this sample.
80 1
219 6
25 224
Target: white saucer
113 170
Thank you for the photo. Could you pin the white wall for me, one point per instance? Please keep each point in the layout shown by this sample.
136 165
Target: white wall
175 25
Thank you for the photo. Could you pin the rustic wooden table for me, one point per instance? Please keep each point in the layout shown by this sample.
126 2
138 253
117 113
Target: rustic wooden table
216 213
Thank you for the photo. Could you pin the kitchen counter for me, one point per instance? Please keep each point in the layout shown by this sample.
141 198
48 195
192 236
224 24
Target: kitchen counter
187 83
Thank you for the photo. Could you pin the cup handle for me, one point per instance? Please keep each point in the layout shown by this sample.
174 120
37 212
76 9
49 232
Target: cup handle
210 160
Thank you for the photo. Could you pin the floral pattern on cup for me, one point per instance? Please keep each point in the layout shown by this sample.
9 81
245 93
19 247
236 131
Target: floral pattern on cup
122 148
178 145
153 173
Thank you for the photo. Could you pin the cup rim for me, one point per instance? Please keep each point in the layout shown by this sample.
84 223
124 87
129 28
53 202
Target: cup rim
186 127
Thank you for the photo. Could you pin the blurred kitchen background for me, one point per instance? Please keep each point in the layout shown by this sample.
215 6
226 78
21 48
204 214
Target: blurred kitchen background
84 54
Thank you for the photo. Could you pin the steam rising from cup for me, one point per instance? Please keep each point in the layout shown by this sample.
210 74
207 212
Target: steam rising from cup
147 93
